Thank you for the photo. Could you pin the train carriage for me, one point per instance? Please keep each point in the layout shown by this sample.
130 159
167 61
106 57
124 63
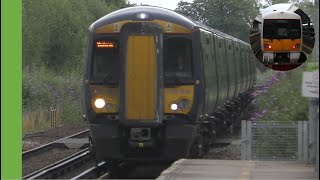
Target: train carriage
154 80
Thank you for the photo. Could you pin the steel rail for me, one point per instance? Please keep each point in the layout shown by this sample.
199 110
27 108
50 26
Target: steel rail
96 171
52 170
51 145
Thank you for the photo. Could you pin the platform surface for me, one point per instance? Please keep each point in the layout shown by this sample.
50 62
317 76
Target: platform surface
237 169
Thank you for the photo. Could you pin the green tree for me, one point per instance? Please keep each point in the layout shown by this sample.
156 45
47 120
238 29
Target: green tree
307 6
232 17
55 31
272 2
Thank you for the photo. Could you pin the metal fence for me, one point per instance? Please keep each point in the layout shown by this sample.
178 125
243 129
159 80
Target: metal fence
274 140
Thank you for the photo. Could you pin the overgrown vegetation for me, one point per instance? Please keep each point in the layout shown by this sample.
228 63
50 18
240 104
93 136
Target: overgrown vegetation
279 108
54 46
284 101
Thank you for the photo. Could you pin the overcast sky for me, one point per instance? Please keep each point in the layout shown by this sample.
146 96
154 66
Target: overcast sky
170 4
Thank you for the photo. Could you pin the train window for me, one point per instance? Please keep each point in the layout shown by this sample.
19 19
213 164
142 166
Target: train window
281 29
177 60
106 61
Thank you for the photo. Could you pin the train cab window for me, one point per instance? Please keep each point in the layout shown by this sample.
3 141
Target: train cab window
177 60
106 61
282 29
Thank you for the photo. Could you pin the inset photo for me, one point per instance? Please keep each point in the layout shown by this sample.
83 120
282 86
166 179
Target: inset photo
282 36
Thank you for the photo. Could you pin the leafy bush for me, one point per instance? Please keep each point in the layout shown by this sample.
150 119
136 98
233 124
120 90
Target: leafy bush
54 48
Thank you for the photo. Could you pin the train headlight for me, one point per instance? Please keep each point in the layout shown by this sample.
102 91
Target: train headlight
99 103
183 104
142 16
174 107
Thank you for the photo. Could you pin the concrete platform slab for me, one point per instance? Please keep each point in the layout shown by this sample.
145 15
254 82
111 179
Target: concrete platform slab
237 169
74 143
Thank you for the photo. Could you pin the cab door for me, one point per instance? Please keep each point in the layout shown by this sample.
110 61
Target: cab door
141 82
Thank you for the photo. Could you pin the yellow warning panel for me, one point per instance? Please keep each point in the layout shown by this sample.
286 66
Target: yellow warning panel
140 78
167 27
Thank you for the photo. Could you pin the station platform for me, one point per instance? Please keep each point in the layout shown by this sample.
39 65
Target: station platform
237 169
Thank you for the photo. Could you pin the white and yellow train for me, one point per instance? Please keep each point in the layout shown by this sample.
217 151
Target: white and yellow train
281 40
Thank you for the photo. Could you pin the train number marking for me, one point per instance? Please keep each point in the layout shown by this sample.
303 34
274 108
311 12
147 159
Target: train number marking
175 91
169 27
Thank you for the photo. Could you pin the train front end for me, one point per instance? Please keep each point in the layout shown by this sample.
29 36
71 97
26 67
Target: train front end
281 40
138 102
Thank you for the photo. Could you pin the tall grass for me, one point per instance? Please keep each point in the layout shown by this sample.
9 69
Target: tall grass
44 90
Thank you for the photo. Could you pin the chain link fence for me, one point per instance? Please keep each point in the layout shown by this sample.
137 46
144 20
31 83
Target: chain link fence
274 140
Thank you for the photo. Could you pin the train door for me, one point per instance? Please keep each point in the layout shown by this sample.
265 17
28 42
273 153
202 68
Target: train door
219 65
214 73
237 67
244 67
209 67
225 70
231 67
141 84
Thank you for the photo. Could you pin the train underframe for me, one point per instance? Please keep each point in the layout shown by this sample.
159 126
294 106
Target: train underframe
166 141
281 57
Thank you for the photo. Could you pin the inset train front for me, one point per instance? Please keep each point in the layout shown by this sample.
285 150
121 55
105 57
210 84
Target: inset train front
281 37
152 76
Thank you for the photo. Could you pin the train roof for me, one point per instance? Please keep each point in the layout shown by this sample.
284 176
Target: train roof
279 7
131 13
287 7
281 14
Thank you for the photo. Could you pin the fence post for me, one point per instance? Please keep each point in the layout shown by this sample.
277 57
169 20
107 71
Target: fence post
249 140
53 117
305 141
300 140
51 121
317 159
244 139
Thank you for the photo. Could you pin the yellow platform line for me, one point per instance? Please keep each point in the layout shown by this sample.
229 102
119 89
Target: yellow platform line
245 175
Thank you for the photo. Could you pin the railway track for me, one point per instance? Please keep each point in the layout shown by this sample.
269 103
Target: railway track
98 171
65 168
62 167
54 144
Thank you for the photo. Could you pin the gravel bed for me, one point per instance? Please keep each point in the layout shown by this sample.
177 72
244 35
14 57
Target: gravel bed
30 141
228 152
44 159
